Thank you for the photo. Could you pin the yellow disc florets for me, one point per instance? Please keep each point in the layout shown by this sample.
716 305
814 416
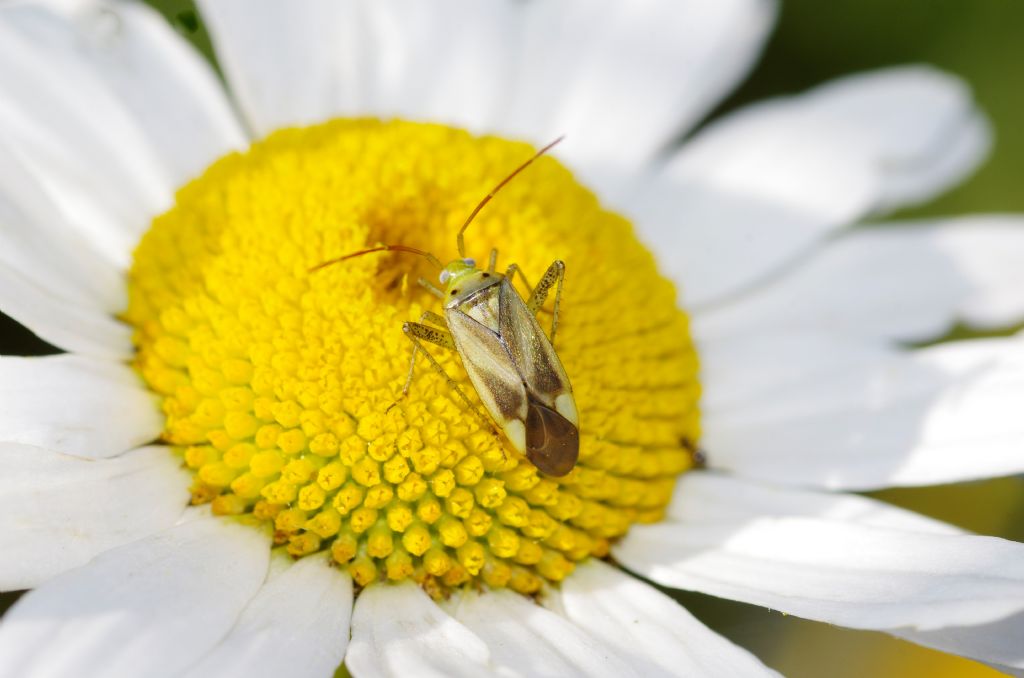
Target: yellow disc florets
282 388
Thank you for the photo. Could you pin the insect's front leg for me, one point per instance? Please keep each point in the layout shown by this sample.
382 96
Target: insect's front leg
417 333
441 337
492 263
554 276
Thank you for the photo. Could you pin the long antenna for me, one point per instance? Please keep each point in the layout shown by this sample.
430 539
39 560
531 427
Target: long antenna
459 238
382 248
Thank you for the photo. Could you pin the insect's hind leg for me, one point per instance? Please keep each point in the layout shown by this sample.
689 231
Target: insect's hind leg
553 277
417 333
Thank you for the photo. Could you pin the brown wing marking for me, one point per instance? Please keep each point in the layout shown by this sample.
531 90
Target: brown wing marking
533 354
552 441
491 370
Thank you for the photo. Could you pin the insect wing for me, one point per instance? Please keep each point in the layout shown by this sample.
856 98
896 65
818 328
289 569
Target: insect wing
552 434
493 374
533 354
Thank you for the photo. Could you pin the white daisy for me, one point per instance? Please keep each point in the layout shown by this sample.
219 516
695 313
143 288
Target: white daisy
274 385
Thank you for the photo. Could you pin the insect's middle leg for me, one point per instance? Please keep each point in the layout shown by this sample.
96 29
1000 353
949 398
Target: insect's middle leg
512 270
417 333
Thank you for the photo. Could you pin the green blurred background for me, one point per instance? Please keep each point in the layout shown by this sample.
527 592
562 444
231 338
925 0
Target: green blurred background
981 40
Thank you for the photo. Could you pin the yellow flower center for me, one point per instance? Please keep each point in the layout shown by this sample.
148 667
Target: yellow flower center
283 388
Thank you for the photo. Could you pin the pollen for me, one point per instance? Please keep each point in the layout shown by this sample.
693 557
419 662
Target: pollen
282 387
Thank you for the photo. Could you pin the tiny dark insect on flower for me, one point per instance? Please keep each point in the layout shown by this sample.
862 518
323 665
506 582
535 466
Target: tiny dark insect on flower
511 363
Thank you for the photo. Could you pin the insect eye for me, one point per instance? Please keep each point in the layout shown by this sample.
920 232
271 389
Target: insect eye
444 276
470 262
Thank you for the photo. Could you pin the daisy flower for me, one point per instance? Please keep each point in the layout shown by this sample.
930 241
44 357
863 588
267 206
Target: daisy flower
161 228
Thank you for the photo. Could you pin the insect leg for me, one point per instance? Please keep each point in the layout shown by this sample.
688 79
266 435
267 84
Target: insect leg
418 333
441 337
435 319
422 282
492 263
552 277
512 270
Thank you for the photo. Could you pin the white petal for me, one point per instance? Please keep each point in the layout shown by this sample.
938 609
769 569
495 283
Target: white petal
529 640
57 512
83 145
466 81
998 644
43 245
846 414
397 630
740 371
622 79
703 498
889 121
637 620
151 608
296 625
907 282
405 61
166 87
286 65
716 242
834 566
920 125
76 405
758 188
63 323
386 58
402 58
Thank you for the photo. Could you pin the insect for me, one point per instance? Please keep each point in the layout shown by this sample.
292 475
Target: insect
511 363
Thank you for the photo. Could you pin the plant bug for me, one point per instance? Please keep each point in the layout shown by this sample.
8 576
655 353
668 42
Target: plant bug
511 363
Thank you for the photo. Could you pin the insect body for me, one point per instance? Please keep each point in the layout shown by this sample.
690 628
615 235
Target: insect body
510 361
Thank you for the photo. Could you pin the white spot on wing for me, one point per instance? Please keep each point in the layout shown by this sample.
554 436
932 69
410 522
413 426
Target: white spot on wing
565 405
516 432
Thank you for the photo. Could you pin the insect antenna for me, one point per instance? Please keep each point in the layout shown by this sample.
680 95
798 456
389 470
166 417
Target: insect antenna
459 238
381 248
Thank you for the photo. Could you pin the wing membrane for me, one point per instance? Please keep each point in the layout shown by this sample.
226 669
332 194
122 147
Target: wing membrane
552 441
